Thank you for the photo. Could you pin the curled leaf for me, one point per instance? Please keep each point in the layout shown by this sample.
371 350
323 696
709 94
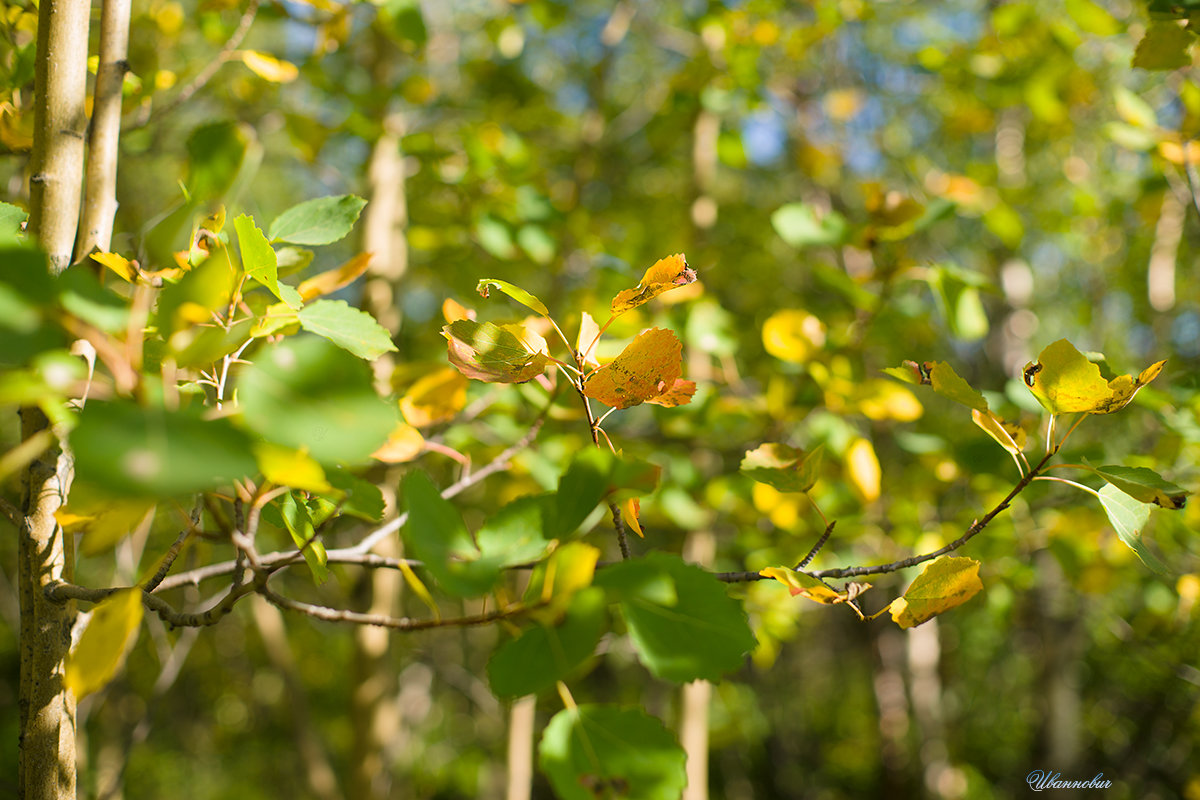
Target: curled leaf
647 369
515 292
944 380
334 279
1064 381
664 275
803 584
1008 435
490 353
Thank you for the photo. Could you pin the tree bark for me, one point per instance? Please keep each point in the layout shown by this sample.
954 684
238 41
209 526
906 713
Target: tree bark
47 768
100 197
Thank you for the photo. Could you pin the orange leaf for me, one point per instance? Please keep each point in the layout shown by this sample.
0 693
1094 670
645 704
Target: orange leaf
666 274
630 510
405 444
334 279
647 368
453 310
679 394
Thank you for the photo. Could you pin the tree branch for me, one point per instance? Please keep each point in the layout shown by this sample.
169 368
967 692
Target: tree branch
895 566
383 620
148 113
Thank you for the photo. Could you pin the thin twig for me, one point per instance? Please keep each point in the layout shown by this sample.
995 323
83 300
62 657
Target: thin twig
383 620
619 525
816 548
895 566
197 83
11 511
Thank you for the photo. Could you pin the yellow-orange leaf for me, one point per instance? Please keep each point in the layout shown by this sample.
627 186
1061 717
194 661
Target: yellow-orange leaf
453 310
945 583
118 264
270 68
630 510
647 368
405 444
334 279
664 275
434 398
806 586
679 394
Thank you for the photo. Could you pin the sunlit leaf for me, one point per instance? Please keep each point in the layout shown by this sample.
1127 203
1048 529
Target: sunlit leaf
259 260
806 586
784 468
101 649
1129 516
647 368
319 221
434 398
1008 435
664 275
1164 46
103 521
793 335
289 467
403 444
330 281
487 352
118 264
515 292
631 511
943 584
302 527
347 327
570 569
679 393
1064 381
862 466
598 751
589 332
452 311
269 68
800 225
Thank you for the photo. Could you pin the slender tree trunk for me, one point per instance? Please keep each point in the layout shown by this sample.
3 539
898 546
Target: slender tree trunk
520 748
47 710
374 707
100 197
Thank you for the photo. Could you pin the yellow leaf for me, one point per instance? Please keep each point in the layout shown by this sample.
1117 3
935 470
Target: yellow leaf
879 400
405 444
1008 435
647 368
864 469
103 521
288 467
434 398
680 393
1065 382
793 335
585 345
945 583
800 583
664 275
330 281
270 68
629 512
102 647
569 569
118 264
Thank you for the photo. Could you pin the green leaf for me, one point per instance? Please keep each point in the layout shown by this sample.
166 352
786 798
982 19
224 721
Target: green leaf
436 535
580 490
703 634
213 342
299 524
544 654
11 219
784 468
260 262
515 292
110 633
361 498
1133 109
306 393
1128 517
494 237
190 302
84 297
27 296
798 225
597 751
347 327
217 154
486 352
1164 47
1145 485
514 534
319 221
404 21
128 450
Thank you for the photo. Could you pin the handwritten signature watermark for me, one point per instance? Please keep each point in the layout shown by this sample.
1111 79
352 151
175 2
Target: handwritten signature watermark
1041 779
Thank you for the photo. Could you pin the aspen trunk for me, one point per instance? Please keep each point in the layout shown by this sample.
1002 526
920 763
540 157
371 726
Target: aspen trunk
47 767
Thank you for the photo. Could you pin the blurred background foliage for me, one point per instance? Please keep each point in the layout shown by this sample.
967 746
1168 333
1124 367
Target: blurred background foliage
856 184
